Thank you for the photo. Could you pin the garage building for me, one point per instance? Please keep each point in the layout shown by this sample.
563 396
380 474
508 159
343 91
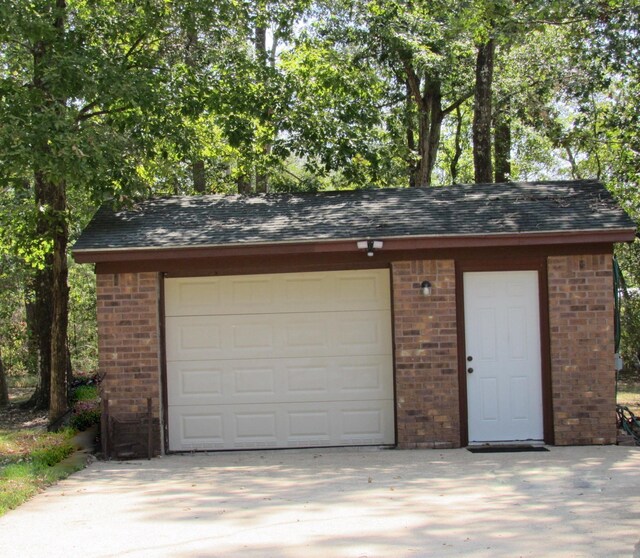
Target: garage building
413 318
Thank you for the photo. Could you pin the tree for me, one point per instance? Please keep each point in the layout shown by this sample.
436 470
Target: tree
334 121
482 115
4 388
422 54
87 97
113 101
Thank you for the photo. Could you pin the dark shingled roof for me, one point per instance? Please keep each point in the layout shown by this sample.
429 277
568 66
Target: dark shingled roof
482 209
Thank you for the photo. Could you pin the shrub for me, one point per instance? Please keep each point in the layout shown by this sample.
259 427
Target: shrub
85 413
84 393
85 400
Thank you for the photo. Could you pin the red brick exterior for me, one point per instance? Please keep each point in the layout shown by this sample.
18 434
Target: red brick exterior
581 322
426 355
425 344
129 356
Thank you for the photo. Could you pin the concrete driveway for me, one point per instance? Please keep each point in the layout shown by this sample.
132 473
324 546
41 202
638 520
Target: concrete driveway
567 502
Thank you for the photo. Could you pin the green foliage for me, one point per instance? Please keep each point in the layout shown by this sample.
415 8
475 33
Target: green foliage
85 414
13 328
86 408
83 328
629 258
46 457
84 393
127 96
334 122
630 334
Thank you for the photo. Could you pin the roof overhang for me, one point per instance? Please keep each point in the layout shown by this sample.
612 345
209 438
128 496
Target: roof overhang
391 244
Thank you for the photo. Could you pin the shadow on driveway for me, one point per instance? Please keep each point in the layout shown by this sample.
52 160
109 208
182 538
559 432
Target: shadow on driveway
567 502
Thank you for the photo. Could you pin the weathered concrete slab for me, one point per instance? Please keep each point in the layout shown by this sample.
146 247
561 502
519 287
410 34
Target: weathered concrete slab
569 502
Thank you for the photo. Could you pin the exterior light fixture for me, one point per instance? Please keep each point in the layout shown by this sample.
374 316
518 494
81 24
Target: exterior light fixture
426 288
369 246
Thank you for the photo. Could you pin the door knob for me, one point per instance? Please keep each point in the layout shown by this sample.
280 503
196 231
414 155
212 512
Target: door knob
470 370
469 358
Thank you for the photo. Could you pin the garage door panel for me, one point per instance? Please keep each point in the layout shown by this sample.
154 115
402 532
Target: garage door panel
247 293
307 378
196 428
254 381
355 290
362 424
304 426
200 380
271 293
253 426
251 335
362 378
192 297
286 360
307 334
278 335
282 426
281 380
362 333
305 292
196 336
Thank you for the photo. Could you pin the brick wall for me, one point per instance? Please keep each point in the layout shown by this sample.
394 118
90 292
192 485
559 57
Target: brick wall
129 357
426 355
581 321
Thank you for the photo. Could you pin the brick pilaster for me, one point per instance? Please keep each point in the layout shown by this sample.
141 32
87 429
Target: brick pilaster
129 347
426 355
582 345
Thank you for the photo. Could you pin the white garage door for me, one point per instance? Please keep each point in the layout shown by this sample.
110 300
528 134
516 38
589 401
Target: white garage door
277 361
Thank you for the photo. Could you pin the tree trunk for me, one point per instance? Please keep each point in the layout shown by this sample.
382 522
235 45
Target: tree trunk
199 176
261 43
43 316
502 144
262 178
411 138
32 359
52 292
575 171
42 307
4 388
430 116
59 402
482 113
453 167
69 372
244 185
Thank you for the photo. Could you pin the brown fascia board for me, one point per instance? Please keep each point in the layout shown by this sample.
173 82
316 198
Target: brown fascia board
335 246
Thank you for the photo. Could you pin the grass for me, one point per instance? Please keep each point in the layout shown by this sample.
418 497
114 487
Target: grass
27 463
30 460
22 381
629 395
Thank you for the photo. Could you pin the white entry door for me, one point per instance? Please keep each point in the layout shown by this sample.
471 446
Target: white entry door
504 378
